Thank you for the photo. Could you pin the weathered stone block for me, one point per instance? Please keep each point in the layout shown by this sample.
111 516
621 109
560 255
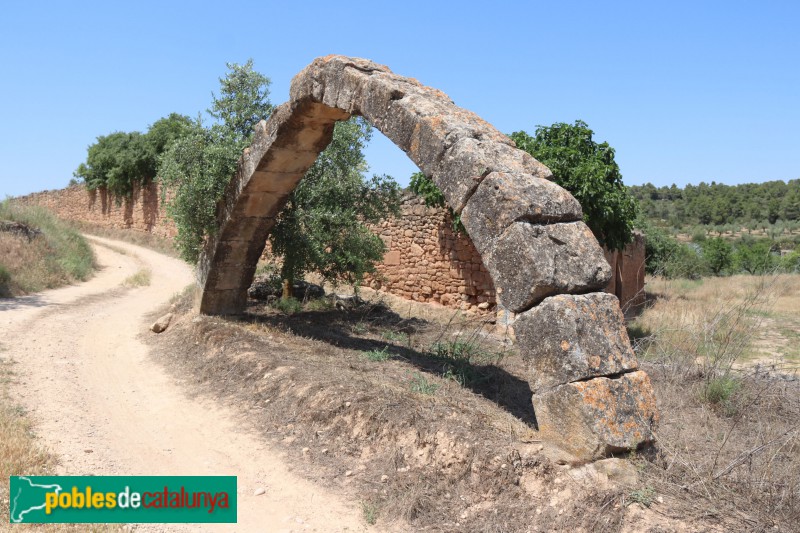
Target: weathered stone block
392 258
503 198
468 160
223 302
595 418
569 338
530 262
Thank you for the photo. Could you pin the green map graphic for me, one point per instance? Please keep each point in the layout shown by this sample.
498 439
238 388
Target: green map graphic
122 499
28 497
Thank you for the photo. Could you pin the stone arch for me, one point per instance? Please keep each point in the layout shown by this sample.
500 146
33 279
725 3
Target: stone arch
544 261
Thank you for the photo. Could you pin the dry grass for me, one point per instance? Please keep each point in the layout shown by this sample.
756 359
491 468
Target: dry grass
435 439
729 441
21 454
142 278
58 256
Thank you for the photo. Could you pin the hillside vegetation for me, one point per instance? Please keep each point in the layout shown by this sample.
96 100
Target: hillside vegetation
37 251
723 208
719 230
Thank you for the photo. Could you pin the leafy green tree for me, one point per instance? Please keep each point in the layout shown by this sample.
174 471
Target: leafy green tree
116 161
588 170
754 256
121 160
164 131
718 255
322 228
243 100
196 168
198 165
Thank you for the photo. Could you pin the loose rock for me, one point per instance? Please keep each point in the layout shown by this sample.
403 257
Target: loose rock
162 323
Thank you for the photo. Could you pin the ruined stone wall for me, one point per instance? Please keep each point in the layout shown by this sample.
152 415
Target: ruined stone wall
426 260
143 211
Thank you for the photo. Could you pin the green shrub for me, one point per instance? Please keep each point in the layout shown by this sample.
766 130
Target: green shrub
377 355
288 306
720 390
644 496
420 384
685 262
791 262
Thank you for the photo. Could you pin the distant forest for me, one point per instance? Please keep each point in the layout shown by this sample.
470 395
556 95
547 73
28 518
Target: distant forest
750 205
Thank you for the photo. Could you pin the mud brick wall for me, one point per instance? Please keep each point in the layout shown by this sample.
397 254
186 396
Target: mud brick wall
143 211
627 280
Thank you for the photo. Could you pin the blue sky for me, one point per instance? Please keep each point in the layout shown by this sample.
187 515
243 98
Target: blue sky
684 91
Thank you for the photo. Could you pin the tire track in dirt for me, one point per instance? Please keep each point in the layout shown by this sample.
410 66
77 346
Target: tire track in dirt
105 407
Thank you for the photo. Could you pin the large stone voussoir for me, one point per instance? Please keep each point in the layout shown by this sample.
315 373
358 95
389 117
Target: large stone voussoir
468 161
569 338
595 418
530 262
326 77
503 198
223 302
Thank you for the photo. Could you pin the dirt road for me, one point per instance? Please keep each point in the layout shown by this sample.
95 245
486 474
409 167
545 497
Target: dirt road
105 407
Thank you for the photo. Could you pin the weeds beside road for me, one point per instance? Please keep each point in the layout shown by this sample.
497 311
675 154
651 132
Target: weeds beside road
47 254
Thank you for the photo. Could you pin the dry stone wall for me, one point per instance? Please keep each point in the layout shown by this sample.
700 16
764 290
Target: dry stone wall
428 261
143 211
544 262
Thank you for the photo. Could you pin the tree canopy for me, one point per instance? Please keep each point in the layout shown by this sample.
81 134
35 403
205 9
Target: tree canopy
121 160
198 165
322 227
717 204
243 100
586 169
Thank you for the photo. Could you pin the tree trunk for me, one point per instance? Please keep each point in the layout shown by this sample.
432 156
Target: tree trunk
288 289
